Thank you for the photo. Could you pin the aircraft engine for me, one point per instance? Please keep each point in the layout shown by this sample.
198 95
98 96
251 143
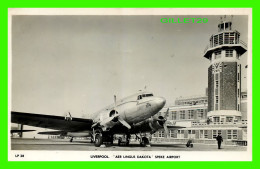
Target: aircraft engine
157 123
112 114
153 124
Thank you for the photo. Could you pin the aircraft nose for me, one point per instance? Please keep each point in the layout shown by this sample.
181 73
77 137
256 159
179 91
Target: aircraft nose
160 101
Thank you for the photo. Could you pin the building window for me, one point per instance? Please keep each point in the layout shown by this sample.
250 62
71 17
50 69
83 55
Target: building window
201 134
229 119
232 134
172 133
215 133
229 134
229 53
200 114
182 114
174 115
205 133
190 115
216 119
180 134
161 134
191 133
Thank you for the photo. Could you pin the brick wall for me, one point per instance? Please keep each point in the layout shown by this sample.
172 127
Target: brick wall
228 97
210 89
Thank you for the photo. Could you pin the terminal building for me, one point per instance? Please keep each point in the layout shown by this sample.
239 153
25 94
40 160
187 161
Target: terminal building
223 109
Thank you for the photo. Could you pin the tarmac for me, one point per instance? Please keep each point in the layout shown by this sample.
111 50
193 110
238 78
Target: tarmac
85 145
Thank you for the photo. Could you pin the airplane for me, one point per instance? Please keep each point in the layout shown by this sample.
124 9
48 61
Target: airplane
135 114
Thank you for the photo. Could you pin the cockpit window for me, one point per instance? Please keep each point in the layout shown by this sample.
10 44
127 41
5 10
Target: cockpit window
147 95
144 95
139 97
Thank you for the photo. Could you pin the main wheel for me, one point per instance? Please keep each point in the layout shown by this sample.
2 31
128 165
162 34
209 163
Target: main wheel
98 140
144 141
128 139
111 139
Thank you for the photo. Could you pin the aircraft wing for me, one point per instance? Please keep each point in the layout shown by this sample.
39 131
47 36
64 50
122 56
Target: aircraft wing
51 121
175 127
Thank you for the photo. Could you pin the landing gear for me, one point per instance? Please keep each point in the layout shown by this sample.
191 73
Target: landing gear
71 139
100 137
125 139
91 140
98 140
144 142
128 136
119 141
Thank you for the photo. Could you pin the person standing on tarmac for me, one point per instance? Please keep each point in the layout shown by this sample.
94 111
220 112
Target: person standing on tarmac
220 140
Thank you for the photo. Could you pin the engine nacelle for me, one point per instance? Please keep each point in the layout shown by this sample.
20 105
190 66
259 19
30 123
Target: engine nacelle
153 124
108 119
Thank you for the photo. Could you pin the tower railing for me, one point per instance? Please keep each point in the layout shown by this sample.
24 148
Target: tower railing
242 43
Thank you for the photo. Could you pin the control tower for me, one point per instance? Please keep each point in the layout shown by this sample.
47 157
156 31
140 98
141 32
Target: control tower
224 73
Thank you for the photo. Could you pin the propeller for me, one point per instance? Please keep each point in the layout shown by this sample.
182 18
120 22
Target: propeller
164 124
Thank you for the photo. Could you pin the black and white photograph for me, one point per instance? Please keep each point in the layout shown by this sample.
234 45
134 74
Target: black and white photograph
121 84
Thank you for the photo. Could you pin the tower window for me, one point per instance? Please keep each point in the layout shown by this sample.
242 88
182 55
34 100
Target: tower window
229 38
216 99
215 40
216 83
218 54
221 39
229 53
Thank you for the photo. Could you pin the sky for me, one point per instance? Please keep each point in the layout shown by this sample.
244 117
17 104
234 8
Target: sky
78 63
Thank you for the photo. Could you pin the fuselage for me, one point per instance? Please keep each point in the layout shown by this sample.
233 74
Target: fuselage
132 109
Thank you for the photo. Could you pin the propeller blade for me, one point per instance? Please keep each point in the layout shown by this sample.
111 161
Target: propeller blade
108 120
122 121
166 131
166 113
115 100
